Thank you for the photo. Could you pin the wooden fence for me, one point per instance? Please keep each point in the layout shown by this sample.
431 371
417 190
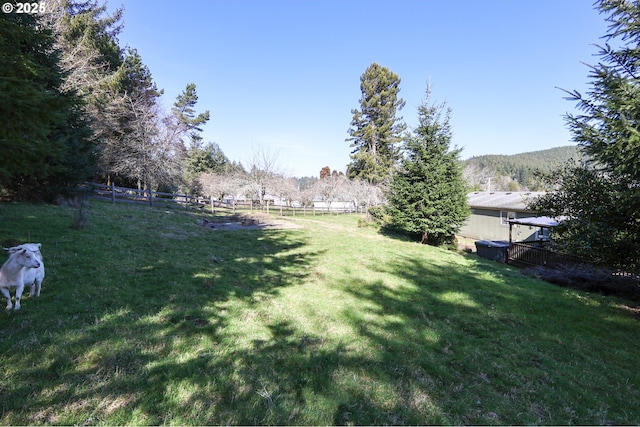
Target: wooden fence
116 194
535 254
149 197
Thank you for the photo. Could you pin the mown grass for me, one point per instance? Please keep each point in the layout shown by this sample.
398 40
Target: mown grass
147 318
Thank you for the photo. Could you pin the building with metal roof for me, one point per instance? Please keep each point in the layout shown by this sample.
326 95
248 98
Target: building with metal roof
515 200
491 212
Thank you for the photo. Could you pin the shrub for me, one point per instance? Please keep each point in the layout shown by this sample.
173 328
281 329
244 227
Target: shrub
366 222
80 205
379 215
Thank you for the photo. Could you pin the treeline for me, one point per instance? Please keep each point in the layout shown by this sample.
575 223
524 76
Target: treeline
517 172
77 105
46 141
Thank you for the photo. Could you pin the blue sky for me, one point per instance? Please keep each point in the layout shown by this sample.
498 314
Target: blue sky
283 76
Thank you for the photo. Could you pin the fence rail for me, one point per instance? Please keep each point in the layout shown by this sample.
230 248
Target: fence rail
117 194
536 254
150 197
528 254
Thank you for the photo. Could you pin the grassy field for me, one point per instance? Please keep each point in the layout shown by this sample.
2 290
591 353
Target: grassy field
147 318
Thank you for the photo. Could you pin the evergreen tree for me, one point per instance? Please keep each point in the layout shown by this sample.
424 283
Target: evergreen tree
427 195
597 228
44 139
183 122
134 78
608 130
208 158
376 131
84 29
95 69
185 114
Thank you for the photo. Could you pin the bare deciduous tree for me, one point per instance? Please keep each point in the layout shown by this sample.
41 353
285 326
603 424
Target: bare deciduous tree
306 198
363 194
476 177
285 188
331 189
262 168
217 186
147 152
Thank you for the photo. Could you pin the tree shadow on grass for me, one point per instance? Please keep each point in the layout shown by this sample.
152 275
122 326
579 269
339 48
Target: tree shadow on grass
108 345
106 339
151 333
480 349
397 233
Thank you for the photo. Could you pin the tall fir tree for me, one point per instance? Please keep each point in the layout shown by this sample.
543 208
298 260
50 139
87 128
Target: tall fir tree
376 131
95 69
187 120
607 130
427 196
44 139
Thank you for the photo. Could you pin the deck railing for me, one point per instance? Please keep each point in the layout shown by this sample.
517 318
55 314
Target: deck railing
526 254
538 253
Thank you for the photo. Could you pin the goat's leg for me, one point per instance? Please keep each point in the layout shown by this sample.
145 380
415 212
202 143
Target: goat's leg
37 284
7 295
19 290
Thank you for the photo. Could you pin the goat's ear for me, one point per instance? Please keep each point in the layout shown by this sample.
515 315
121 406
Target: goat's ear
39 245
11 250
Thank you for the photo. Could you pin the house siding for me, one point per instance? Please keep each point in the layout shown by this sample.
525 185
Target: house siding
487 224
488 216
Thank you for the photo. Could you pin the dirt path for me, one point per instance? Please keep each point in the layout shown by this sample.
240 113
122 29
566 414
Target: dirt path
252 222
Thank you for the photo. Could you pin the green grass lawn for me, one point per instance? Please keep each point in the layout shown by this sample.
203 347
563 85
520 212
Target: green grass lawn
147 318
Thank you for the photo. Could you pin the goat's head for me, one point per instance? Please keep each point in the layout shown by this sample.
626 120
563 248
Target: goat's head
26 258
33 247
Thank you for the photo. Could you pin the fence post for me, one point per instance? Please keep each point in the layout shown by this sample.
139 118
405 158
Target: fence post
150 197
186 202
113 193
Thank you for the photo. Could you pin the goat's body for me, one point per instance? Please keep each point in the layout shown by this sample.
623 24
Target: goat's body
12 274
33 277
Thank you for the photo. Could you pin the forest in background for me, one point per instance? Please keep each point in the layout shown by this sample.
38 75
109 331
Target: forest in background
516 172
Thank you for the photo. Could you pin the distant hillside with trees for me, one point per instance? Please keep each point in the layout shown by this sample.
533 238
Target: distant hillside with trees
515 172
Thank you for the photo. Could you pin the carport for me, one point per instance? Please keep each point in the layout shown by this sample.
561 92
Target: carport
537 251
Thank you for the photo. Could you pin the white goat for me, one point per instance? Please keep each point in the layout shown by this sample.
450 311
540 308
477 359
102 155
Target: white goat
12 274
33 277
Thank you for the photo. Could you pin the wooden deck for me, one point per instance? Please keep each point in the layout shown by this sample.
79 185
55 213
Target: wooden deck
538 253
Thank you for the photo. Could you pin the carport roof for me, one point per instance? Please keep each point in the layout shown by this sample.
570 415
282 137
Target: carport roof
538 221
503 200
